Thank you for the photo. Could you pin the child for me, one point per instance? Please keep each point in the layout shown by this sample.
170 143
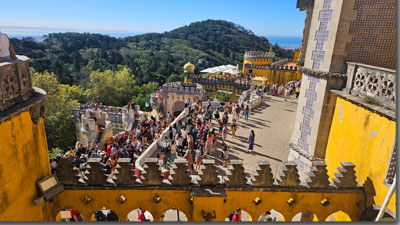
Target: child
226 155
233 127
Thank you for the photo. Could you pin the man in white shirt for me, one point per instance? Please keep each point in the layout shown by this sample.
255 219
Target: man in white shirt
7 52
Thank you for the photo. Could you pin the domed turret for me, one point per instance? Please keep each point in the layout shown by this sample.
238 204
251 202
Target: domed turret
188 68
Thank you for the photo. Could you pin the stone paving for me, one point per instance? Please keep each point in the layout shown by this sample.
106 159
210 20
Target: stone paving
273 124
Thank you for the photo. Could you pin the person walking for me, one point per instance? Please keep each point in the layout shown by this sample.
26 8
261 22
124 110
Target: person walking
234 127
226 156
251 141
246 112
173 151
199 157
188 157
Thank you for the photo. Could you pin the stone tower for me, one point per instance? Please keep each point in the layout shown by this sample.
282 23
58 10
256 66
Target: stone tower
335 33
23 144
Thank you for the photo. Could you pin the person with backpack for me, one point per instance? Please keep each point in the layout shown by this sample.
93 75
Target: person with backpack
237 109
216 113
235 215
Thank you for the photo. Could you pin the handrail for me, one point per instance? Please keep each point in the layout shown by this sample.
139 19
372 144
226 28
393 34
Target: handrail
154 146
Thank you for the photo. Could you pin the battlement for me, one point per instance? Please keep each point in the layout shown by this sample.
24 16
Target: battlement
345 178
272 67
15 82
242 85
183 88
258 55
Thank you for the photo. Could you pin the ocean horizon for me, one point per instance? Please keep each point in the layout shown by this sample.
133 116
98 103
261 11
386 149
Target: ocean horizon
38 34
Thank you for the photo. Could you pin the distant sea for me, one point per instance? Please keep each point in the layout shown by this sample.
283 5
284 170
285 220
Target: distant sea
37 33
287 42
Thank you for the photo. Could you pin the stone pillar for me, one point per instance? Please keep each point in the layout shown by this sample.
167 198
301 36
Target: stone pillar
325 35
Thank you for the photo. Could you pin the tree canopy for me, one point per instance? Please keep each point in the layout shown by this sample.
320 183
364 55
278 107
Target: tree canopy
151 57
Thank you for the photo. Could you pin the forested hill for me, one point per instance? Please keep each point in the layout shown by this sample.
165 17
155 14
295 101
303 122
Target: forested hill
151 56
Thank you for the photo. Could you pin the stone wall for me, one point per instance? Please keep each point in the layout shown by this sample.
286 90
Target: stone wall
196 195
23 144
15 82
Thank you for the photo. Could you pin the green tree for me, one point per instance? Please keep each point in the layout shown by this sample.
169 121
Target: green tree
109 87
59 124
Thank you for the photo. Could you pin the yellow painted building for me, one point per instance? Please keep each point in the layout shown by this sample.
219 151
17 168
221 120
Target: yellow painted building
367 139
277 72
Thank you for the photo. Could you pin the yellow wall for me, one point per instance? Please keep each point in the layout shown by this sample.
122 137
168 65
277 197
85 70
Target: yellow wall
364 138
24 160
276 76
222 205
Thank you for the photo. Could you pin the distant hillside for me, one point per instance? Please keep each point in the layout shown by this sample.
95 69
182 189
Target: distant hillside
151 56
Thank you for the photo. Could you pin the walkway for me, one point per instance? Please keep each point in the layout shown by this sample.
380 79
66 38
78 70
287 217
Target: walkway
273 124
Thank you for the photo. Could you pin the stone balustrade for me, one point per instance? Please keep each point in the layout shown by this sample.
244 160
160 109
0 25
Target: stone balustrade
15 82
371 81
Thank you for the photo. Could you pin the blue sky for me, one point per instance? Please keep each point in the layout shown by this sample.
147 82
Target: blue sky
263 17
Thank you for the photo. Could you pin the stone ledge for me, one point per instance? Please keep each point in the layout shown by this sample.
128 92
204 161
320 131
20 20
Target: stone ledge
218 191
34 104
321 74
389 114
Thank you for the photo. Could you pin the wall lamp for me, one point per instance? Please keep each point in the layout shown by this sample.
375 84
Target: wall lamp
86 199
191 199
122 199
156 199
291 201
325 202
257 200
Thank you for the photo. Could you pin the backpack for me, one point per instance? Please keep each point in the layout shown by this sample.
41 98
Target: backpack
230 216
222 154
237 110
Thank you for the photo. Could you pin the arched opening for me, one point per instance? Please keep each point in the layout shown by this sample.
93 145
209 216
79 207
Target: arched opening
339 216
178 107
68 215
305 216
271 216
243 215
174 215
104 214
140 214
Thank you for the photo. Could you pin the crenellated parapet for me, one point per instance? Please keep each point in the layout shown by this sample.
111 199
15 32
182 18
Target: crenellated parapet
272 67
15 82
194 194
225 82
208 175
258 55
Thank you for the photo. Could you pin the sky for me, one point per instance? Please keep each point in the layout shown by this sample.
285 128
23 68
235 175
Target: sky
263 17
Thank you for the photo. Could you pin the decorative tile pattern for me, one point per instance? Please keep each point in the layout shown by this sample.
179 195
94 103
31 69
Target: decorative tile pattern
374 34
321 36
308 113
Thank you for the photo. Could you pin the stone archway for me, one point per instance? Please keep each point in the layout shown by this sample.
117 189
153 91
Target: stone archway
174 214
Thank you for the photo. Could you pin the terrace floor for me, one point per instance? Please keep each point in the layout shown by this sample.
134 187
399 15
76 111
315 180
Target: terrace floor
273 124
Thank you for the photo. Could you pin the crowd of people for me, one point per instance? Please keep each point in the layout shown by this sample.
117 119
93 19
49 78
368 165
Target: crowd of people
192 138
126 145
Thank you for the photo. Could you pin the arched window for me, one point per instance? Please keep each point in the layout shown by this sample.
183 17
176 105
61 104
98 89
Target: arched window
173 215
